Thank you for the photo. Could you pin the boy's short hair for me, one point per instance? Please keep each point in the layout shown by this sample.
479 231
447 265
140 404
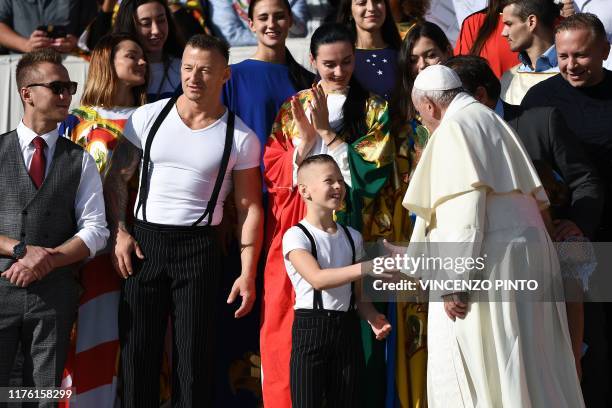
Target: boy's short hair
208 42
317 159
29 61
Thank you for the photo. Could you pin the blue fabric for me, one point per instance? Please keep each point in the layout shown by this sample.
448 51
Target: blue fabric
67 126
391 399
499 108
255 93
547 62
375 70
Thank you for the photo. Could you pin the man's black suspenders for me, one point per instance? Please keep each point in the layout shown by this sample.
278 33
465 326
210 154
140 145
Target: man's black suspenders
317 298
146 159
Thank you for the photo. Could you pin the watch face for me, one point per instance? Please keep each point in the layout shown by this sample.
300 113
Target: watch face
19 250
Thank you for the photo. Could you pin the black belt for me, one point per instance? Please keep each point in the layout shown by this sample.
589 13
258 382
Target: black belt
324 313
198 229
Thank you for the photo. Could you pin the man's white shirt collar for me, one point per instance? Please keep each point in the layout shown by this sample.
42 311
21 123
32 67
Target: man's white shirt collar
26 135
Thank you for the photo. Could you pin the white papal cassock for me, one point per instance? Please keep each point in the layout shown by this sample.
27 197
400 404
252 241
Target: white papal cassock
475 184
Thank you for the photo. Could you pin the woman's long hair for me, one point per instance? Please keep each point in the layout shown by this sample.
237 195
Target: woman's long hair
390 34
488 26
102 82
126 23
300 77
354 107
401 108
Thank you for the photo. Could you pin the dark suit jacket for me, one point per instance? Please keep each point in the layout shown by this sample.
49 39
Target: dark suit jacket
547 138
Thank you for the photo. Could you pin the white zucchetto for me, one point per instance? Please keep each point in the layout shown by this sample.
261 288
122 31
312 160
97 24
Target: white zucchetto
437 78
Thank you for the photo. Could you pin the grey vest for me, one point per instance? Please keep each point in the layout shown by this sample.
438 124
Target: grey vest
43 217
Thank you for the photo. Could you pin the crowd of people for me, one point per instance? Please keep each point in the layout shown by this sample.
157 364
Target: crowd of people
181 180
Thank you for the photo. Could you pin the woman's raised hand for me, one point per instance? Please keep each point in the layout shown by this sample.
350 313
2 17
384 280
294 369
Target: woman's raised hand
306 131
319 112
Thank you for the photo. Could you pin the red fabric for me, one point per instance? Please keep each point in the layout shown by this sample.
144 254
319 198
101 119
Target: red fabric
96 367
98 277
287 209
37 166
496 49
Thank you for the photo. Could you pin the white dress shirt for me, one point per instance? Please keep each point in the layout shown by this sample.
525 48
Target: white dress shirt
89 202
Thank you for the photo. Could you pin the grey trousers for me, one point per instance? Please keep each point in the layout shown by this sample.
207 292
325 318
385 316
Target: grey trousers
40 317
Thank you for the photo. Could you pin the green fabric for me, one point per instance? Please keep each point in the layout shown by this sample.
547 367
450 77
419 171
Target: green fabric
367 179
374 381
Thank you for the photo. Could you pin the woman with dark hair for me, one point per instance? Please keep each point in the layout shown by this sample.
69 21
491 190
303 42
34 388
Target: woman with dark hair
259 85
377 42
424 45
116 85
336 117
151 22
481 35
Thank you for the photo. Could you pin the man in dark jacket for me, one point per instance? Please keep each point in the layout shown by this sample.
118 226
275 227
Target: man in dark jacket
548 140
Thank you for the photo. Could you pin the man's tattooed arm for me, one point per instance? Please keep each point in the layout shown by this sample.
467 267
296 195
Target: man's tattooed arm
124 164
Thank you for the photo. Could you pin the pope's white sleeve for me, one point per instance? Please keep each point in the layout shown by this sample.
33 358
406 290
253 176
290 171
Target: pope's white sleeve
458 234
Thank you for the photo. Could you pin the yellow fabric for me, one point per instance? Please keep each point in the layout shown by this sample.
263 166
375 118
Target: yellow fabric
411 327
411 354
514 84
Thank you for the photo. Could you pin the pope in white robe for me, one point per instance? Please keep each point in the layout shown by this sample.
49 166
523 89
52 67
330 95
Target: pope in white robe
475 184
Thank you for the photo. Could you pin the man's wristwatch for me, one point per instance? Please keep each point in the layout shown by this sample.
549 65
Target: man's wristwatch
19 250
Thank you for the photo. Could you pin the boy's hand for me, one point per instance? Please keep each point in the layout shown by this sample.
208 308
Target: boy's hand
393 250
380 326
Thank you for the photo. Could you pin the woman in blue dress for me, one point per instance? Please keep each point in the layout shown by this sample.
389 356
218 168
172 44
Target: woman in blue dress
377 43
259 85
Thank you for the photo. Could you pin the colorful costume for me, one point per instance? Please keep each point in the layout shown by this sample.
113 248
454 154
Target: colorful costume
92 364
404 350
367 165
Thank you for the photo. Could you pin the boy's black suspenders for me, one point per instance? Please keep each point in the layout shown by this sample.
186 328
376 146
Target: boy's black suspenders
146 159
317 298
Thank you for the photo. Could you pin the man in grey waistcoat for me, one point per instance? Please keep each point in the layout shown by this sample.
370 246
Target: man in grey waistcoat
51 217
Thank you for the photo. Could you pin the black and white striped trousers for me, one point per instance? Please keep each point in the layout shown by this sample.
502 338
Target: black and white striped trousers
326 359
178 278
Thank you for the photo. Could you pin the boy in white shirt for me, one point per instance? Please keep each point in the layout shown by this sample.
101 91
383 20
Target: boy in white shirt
320 258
